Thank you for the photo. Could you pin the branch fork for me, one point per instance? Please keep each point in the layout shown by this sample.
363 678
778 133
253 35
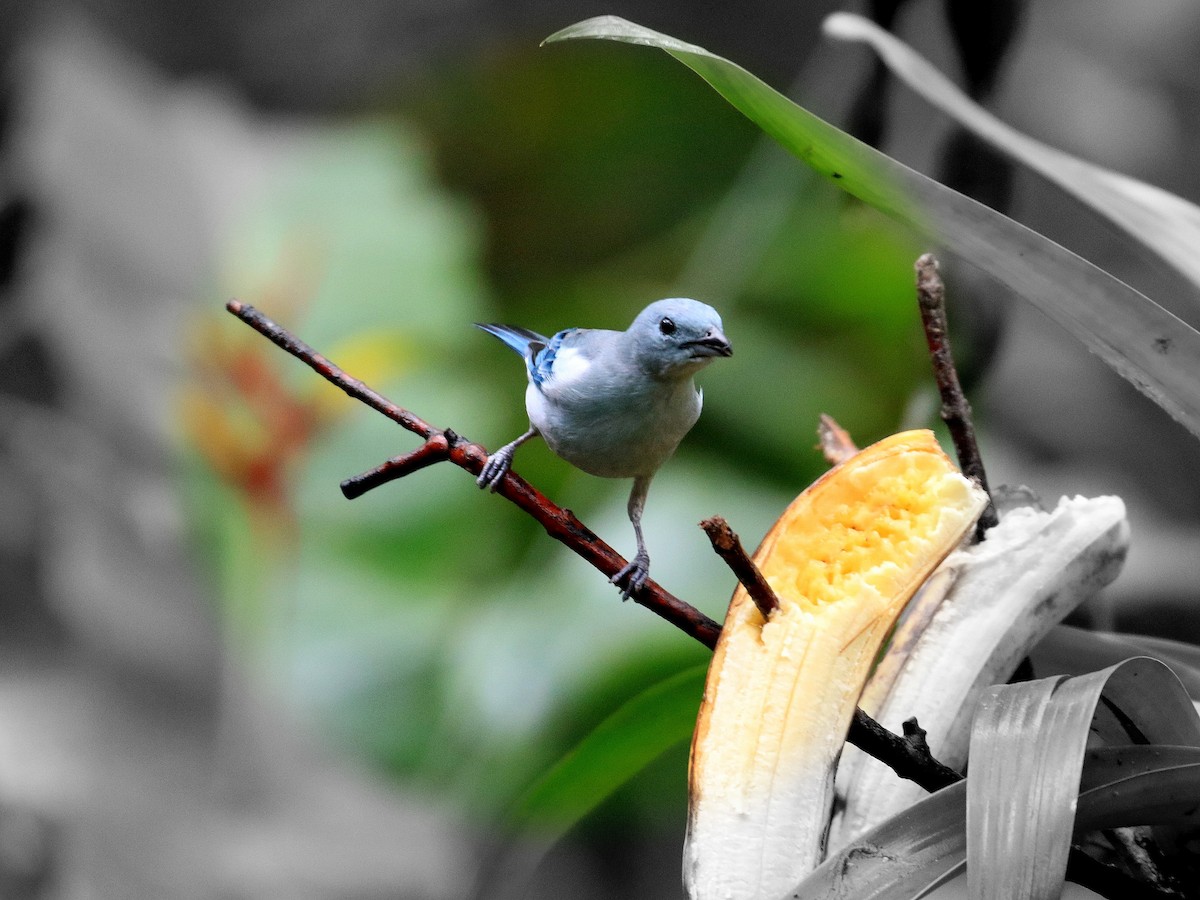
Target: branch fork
446 445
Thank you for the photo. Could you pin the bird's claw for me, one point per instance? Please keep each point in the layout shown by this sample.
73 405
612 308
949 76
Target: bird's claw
495 469
633 577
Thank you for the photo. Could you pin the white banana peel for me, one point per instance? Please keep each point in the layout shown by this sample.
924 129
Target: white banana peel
974 621
843 559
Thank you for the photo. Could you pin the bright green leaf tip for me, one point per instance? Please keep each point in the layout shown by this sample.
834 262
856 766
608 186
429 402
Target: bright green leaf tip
614 28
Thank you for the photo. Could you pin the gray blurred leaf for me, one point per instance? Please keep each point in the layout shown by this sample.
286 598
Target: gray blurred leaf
1166 224
1027 753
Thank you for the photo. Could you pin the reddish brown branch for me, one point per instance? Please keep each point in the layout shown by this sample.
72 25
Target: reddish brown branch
326 369
561 524
730 549
956 411
435 449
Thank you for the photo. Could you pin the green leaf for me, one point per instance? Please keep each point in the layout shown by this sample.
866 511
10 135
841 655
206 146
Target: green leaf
1159 796
1017 801
1163 222
1183 658
621 746
1153 349
925 846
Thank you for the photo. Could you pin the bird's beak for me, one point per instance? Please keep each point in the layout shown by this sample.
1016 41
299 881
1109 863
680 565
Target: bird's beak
714 343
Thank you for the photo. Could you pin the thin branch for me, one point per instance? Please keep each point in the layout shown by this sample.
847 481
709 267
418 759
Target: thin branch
730 549
283 338
435 449
561 524
907 755
956 411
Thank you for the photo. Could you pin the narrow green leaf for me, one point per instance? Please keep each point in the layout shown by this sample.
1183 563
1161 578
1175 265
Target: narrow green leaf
1020 807
1177 654
618 748
1165 223
1153 349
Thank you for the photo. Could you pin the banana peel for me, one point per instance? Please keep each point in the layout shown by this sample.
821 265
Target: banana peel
844 559
975 620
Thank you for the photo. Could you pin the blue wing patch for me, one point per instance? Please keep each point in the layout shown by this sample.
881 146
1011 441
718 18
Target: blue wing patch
541 361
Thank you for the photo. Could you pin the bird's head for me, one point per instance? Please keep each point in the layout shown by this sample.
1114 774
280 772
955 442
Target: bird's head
677 337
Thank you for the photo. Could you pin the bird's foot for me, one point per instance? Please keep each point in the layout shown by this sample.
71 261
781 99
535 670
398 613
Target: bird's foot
495 468
633 577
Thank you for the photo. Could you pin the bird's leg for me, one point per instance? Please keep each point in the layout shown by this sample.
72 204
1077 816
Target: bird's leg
631 578
500 462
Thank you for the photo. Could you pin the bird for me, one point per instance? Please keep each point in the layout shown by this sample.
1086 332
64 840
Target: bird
615 404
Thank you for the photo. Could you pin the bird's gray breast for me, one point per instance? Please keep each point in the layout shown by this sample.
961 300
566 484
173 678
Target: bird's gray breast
611 420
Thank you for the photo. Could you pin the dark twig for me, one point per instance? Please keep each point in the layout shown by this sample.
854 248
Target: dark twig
956 411
908 756
730 549
561 524
915 735
283 338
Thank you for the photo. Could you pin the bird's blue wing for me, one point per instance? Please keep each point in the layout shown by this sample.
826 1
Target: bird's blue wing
541 361
539 352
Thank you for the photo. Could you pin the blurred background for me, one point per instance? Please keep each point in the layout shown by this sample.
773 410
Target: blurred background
221 679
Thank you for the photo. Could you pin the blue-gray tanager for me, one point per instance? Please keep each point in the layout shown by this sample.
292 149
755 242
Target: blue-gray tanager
615 403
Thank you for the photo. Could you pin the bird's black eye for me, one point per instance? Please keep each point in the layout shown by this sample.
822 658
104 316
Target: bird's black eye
666 326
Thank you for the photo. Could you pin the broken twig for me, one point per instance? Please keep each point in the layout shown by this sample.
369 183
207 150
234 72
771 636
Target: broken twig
956 411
